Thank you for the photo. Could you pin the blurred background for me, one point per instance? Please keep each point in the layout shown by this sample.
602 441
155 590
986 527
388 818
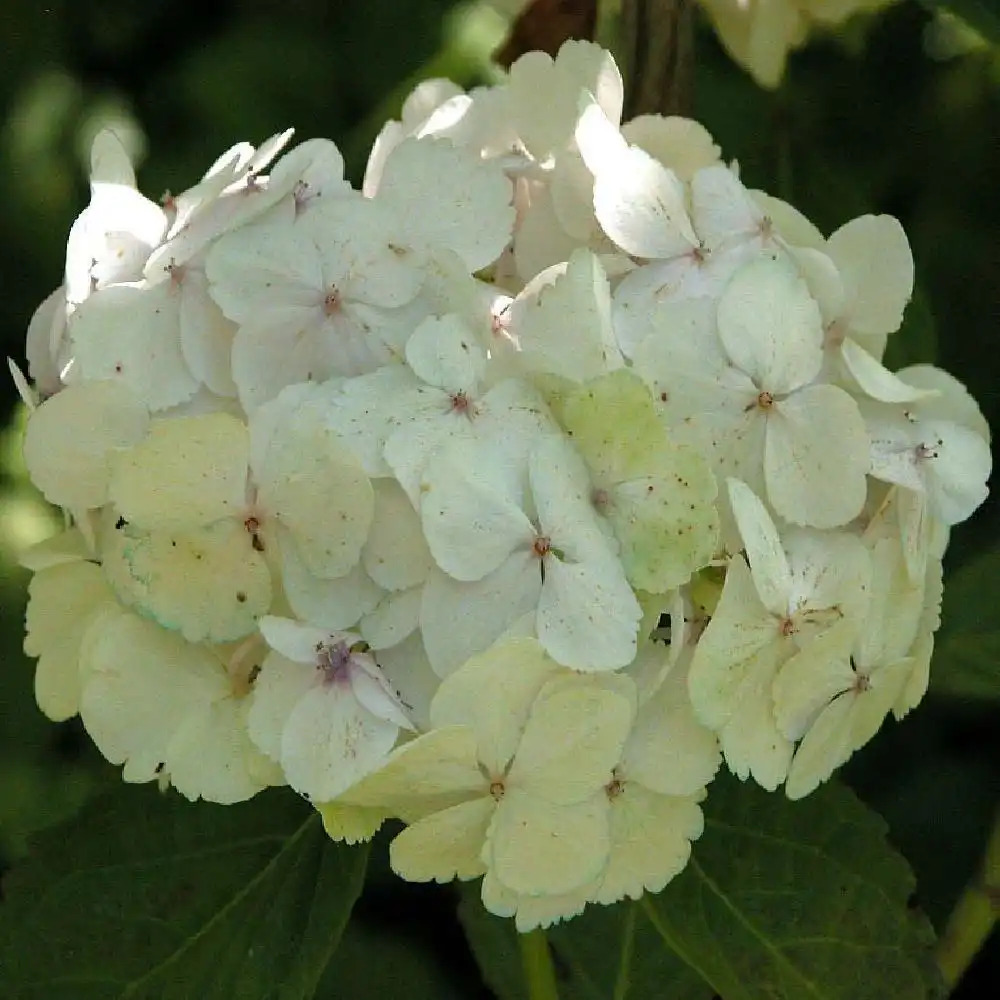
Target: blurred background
895 112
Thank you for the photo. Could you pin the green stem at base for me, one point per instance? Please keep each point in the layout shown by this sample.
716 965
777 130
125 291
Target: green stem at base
974 916
539 972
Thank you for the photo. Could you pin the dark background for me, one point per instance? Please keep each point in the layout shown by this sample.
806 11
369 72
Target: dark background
866 121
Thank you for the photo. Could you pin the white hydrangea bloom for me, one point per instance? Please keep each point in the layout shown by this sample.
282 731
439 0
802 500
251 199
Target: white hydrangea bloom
837 708
507 562
656 497
741 388
478 413
936 446
312 298
322 708
801 599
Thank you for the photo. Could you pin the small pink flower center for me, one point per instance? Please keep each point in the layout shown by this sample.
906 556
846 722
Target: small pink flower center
332 660
460 403
542 546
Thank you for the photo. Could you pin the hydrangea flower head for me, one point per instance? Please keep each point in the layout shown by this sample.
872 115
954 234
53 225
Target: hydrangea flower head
507 496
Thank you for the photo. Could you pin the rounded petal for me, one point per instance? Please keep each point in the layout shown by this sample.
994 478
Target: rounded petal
588 615
650 842
333 604
63 601
140 683
535 847
330 742
473 216
206 335
72 439
682 144
395 556
317 490
459 619
816 456
512 672
668 750
572 740
641 206
443 352
187 472
131 334
210 755
471 522
210 584
445 844
770 325
562 320
279 687
875 380
873 256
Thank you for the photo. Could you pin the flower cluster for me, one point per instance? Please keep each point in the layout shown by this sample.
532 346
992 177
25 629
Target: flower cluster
506 496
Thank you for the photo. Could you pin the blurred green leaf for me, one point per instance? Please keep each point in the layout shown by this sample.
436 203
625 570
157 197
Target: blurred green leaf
780 900
983 15
150 897
607 953
967 651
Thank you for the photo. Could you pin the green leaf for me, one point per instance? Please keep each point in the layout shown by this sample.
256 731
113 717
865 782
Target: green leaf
796 900
150 897
781 901
983 15
915 342
608 953
967 651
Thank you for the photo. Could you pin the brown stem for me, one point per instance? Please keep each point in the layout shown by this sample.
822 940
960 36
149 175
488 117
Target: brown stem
657 43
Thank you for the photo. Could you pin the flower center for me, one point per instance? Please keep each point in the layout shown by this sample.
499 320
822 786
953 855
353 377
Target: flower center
176 272
460 403
333 302
765 400
497 789
615 787
252 524
542 546
332 660
924 452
